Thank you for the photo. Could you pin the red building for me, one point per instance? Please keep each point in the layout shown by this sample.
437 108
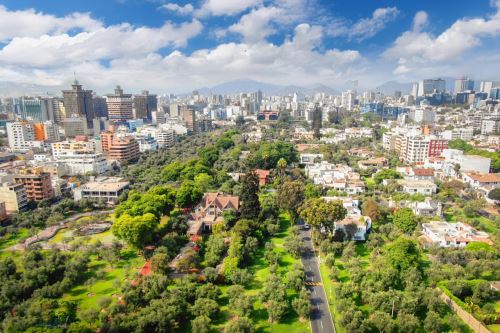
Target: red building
436 147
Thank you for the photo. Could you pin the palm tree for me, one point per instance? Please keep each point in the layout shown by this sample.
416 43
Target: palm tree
281 165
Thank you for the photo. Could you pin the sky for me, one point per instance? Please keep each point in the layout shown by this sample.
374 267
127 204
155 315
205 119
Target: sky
178 46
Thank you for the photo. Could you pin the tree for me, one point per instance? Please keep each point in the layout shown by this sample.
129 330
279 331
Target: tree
294 245
302 304
295 277
402 254
205 307
319 213
290 195
386 174
239 303
215 247
239 325
483 292
276 309
382 321
188 194
200 324
407 322
137 231
372 209
494 194
432 322
281 166
312 191
250 205
405 220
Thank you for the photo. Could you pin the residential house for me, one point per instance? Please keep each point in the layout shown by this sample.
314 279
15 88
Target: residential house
210 210
445 234
424 187
264 176
363 225
375 163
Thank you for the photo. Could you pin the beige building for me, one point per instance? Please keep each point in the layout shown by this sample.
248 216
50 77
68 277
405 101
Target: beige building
14 197
119 106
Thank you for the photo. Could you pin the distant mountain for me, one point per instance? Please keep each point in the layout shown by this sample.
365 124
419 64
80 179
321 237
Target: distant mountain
248 86
389 87
9 89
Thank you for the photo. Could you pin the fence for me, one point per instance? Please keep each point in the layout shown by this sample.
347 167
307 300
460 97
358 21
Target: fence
469 319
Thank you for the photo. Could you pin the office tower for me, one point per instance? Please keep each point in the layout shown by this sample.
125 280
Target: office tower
78 101
317 120
158 117
486 86
119 106
463 84
494 93
189 118
414 89
20 135
51 131
36 182
348 99
75 126
100 124
100 106
32 109
144 104
14 196
53 109
174 110
428 86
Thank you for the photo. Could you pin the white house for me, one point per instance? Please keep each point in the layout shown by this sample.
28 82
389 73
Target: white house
424 187
362 223
446 234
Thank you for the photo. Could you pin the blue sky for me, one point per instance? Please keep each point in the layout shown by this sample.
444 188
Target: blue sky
175 46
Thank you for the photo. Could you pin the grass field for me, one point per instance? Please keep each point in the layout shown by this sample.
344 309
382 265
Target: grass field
108 283
9 240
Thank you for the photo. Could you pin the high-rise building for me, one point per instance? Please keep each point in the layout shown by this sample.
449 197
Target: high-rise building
20 135
317 120
144 104
348 99
119 106
174 110
32 109
100 106
75 126
51 131
189 118
14 196
486 86
124 150
78 101
428 86
53 108
37 184
463 84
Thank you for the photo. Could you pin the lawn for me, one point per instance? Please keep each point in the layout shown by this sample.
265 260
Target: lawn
260 269
88 296
9 240
67 234
485 223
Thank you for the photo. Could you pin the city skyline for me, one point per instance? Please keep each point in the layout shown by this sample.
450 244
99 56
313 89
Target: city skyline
179 46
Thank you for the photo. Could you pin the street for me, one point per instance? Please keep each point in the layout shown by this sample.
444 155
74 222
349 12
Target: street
321 321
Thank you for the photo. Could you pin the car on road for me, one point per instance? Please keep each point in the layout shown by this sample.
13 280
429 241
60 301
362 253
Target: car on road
306 226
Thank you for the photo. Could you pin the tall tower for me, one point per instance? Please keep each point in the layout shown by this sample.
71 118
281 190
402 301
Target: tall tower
79 101
119 106
317 120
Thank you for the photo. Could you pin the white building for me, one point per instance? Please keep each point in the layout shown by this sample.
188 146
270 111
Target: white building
106 188
20 135
464 133
310 158
423 115
81 164
337 177
467 163
424 187
444 234
348 99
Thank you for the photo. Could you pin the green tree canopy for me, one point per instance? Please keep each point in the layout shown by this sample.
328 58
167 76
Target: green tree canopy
137 231
319 213
405 220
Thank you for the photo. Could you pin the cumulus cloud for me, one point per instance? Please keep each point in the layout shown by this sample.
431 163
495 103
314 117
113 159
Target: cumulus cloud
30 23
226 7
182 10
122 40
256 25
294 61
418 48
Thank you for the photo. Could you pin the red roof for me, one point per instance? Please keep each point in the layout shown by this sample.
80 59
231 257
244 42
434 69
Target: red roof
423 172
146 269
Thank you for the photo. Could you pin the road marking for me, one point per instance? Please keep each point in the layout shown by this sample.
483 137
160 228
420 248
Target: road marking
313 283
315 292
321 322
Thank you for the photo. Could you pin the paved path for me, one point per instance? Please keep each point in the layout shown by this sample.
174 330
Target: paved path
321 320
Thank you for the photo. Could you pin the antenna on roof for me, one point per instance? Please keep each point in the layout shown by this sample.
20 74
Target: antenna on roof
74 74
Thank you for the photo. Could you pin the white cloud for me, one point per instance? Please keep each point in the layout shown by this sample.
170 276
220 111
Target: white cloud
368 27
111 42
420 20
364 28
256 25
295 61
419 49
226 7
182 10
29 23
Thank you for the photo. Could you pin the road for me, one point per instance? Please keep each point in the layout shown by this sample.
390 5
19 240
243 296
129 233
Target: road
321 320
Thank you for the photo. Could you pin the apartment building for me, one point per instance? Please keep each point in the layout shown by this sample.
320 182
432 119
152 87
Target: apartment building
36 182
14 196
